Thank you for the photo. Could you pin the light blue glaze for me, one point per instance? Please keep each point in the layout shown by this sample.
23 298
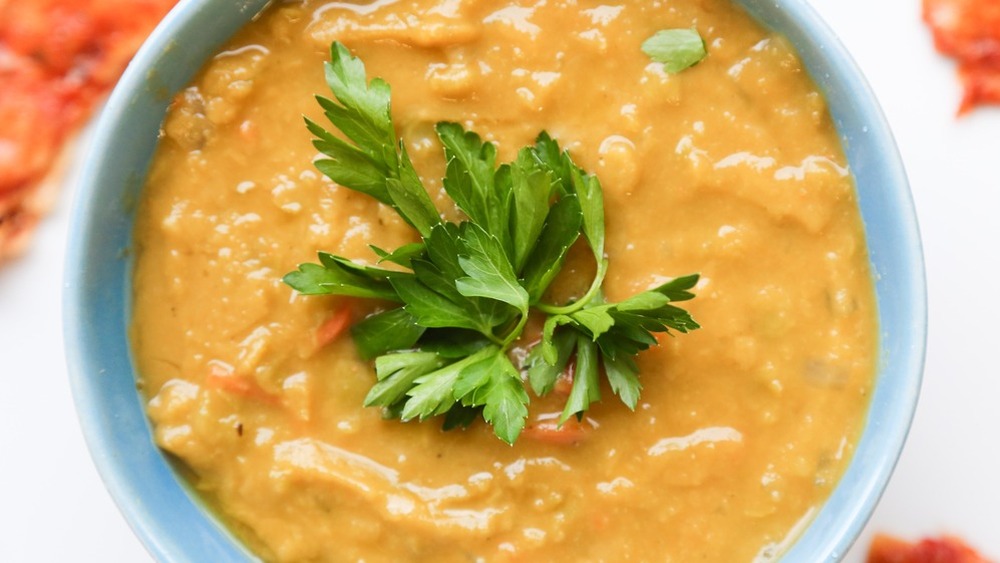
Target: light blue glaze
170 520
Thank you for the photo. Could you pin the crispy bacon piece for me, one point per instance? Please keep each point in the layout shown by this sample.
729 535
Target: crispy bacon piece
981 83
946 549
969 30
58 58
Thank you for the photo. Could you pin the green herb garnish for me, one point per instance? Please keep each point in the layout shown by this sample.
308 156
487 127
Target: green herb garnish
469 287
677 49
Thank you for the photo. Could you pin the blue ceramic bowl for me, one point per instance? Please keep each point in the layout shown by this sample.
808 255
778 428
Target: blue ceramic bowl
158 504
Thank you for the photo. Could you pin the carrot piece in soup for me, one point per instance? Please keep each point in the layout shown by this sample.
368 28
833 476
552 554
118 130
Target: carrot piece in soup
223 379
334 327
549 432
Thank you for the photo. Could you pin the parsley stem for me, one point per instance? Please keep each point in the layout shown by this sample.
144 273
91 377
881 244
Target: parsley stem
516 332
568 309
495 339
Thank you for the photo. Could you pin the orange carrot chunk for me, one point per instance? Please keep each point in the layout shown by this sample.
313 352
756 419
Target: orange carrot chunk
333 327
222 379
549 432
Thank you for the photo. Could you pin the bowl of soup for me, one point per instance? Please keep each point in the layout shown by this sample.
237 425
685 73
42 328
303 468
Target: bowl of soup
226 416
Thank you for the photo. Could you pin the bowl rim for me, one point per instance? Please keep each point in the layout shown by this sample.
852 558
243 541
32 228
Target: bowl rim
873 460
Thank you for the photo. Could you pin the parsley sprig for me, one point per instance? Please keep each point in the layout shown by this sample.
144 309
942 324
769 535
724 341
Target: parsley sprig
468 288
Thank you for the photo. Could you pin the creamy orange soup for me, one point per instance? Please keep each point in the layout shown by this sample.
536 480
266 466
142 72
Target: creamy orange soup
731 168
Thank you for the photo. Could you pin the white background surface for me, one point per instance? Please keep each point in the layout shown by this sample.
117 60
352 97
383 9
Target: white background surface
53 506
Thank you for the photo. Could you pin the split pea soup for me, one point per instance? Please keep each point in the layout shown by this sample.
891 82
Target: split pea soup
730 168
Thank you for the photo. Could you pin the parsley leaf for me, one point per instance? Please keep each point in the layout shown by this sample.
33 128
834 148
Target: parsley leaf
434 393
590 198
586 383
623 375
677 49
468 287
397 373
560 231
612 334
542 375
401 255
337 276
432 308
470 171
395 329
490 274
506 404
376 164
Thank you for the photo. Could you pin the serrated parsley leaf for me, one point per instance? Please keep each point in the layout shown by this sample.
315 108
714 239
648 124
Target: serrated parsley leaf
413 203
550 352
434 310
586 380
317 279
376 164
470 170
677 289
560 231
677 49
364 116
384 332
472 385
396 375
332 262
482 313
643 301
434 393
588 191
623 376
542 375
489 273
492 382
506 405
596 320
443 247
348 165
572 179
401 255
531 187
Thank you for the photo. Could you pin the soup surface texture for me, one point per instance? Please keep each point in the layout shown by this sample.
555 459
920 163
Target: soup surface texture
731 168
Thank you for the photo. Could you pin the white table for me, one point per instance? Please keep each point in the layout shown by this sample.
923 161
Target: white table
54 508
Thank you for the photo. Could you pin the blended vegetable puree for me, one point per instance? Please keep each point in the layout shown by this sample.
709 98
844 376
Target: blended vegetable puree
731 168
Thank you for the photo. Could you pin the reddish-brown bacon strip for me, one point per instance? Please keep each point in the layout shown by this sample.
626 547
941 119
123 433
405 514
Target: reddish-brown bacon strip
969 30
946 549
58 58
